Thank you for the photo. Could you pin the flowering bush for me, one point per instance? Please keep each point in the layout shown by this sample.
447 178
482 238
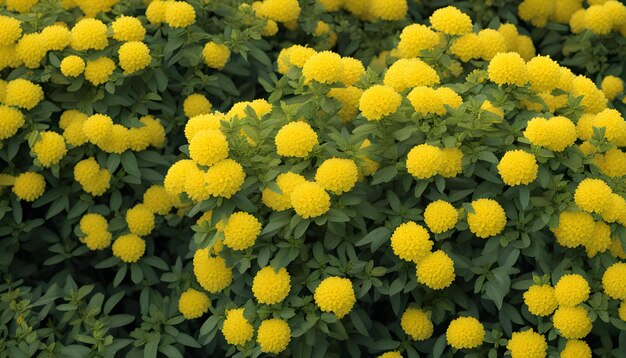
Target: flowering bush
312 178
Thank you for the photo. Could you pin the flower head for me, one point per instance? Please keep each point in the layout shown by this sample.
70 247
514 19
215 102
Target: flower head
336 295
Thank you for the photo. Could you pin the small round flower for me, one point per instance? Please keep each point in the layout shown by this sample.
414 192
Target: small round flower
352 70
451 21
612 86
140 220
593 98
128 28
467 47
98 127
12 121
179 14
617 250
576 349
225 178
155 12
423 161
211 271
614 124
193 303
543 73
287 182
436 270
592 195
215 55
23 94
518 167
426 100
158 200
613 281
451 163
556 134
273 335
56 37
612 163
270 286
527 344
241 231
525 47
72 66
30 50
416 324
571 290
440 216
129 248
89 34
195 105
349 98
411 242
98 240
295 139
280 10
201 122
572 322
93 179
29 186
449 97
336 295
49 149
601 240
310 200
236 328
598 20
337 175
10 30
379 101
575 228
491 43
536 11
488 218
410 72
92 222
508 68
134 56
465 333
414 39
99 70
208 147
388 10
541 300
325 67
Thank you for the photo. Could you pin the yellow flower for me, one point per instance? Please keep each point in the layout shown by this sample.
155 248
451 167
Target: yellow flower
388 10
525 47
451 21
195 185
393 354
510 33
527 344
336 295
491 43
410 72
615 211
287 182
211 271
465 333
157 200
540 299
49 149
416 324
613 281
193 303
617 250
179 14
423 161
23 94
508 68
215 55
488 218
236 328
543 73
280 10
352 70
89 34
414 39
12 120
571 290
574 229
140 220
488 106
379 101
56 37
466 47
241 231
426 100
324 67
601 240
518 167
593 98
93 179
225 178
612 163
451 162
598 20
10 30
349 98
295 139
31 49
612 86
440 216
29 186
614 124
576 348
593 195
129 248
72 66
155 12
99 70
273 335
556 133
436 270
564 9
92 222
411 242
134 56
128 28
270 286
195 105
572 322
536 11
202 122
208 147
21 6
310 200
331 5
98 240
337 175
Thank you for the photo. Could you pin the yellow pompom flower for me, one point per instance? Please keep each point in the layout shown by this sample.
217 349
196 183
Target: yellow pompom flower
491 43
440 216
541 300
179 14
129 248
98 240
89 34
337 175
56 37
93 222
617 250
352 70
564 9
592 195
612 163
556 134
10 30
518 167
93 179
310 200
23 94
388 10
140 220
414 39
488 106
426 100
436 270
451 21
614 124
508 68
241 231
236 328
21 6
273 335
128 28
576 349
615 211
30 50
155 12
543 73
572 322
29 186
12 121
575 228
410 72
593 98
466 47
195 105
613 281
488 218
270 286
49 149
193 303
465 333
287 182
598 20
201 122
449 97
211 271
74 134
331 5
416 324
411 242
157 200
215 55
510 33
612 86
423 161
571 290
134 56
601 240
280 10
99 70
324 67
225 178
72 66
536 11
527 344
525 47
349 98
379 101
195 185
295 139
208 147
451 163
336 295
